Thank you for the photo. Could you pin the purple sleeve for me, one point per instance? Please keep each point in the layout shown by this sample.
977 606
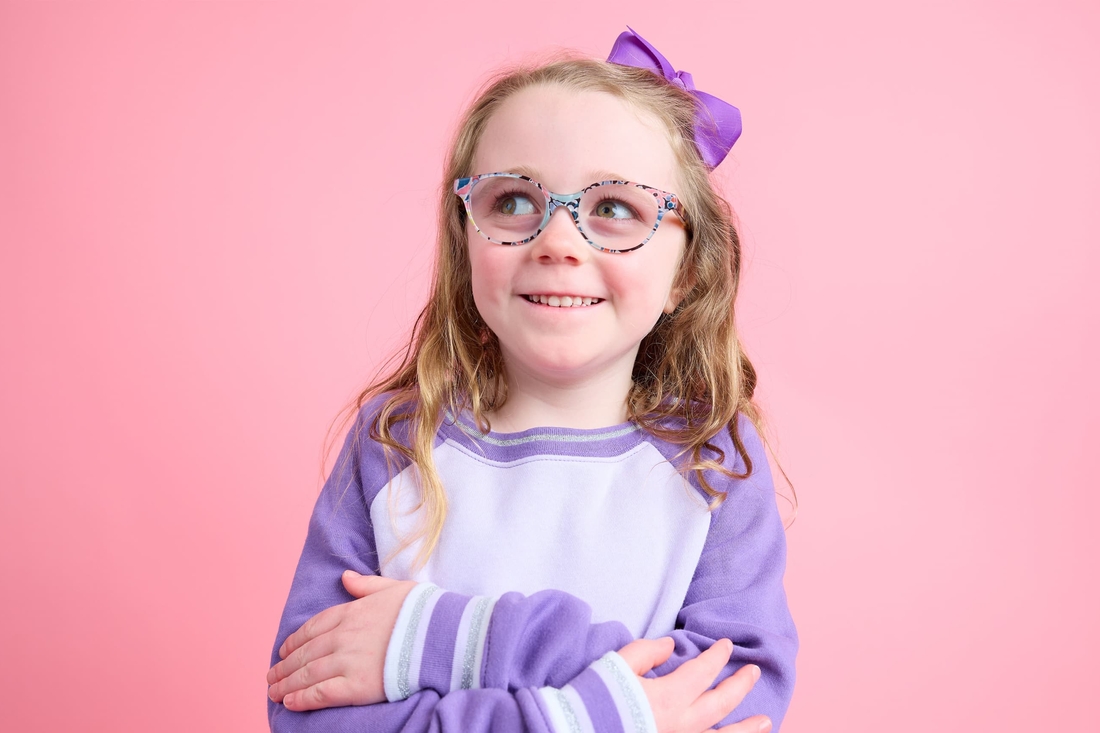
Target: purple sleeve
467 710
736 593
340 536
737 590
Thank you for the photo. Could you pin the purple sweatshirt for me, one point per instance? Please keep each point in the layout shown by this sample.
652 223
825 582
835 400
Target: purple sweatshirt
560 547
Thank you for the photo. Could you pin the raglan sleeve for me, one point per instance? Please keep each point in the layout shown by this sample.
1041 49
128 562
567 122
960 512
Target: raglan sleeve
737 591
547 638
602 695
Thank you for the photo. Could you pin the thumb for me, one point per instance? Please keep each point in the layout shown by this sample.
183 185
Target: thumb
643 655
363 585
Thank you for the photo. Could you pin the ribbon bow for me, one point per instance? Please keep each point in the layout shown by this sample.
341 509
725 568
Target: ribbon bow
717 123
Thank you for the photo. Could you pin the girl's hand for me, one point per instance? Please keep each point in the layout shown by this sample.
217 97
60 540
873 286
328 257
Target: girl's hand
337 657
681 700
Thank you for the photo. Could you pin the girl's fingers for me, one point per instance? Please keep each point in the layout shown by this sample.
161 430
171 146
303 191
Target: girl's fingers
323 622
363 585
328 693
695 676
313 649
643 655
713 705
311 675
755 724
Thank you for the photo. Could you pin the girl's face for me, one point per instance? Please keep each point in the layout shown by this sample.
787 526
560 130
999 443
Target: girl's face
566 140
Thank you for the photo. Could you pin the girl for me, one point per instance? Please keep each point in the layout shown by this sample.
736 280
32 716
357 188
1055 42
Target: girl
600 574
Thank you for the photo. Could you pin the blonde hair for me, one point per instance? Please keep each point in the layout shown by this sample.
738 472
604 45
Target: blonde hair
691 377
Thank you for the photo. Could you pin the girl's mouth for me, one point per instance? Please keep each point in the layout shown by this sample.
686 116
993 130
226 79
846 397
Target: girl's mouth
563 301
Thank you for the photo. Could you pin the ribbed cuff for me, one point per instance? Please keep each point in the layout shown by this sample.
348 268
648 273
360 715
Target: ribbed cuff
437 643
605 697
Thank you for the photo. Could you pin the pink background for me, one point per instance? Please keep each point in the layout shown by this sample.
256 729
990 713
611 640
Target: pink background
215 219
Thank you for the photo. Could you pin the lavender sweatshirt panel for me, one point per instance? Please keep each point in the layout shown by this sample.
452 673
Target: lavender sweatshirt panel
600 514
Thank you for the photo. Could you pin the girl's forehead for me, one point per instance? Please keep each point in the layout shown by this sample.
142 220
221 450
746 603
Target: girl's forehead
567 139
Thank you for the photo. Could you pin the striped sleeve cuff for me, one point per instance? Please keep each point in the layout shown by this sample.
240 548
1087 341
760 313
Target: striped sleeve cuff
437 643
605 697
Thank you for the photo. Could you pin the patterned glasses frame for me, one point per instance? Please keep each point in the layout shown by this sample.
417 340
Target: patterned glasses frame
665 201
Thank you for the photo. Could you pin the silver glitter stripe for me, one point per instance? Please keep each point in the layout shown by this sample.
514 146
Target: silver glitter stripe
570 714
471 643
405 659
545 436
628 692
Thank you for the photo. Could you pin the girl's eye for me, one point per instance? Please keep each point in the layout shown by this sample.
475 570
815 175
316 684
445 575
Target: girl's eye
612 209
515 205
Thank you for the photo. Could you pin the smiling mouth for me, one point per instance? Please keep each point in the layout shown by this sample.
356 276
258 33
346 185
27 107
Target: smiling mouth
563 301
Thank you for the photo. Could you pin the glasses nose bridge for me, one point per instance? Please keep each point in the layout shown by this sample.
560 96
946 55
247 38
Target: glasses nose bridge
569 202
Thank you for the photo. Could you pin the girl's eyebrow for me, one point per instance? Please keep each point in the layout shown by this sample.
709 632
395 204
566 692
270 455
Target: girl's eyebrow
523 171
591 177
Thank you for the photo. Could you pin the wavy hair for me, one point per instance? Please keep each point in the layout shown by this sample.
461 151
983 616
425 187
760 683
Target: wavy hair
691 378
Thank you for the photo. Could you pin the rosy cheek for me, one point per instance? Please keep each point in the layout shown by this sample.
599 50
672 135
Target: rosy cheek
484 268
491 278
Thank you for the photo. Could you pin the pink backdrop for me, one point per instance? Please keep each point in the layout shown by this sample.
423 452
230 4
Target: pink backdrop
215 218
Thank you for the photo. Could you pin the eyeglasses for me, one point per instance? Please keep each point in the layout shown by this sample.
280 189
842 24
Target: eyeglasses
612 216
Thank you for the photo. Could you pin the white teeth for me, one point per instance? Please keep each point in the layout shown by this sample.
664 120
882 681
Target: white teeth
562 301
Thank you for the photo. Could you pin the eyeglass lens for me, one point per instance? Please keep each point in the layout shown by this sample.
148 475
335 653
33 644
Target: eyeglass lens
613 216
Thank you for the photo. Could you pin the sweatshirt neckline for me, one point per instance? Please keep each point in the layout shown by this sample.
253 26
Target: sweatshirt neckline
555 439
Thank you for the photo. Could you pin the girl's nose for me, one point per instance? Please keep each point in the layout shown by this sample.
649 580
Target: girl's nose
560 241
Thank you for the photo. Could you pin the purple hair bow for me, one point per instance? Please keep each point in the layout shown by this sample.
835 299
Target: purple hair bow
717 123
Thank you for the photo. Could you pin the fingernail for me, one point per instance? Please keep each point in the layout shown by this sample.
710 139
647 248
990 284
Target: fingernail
765 726
756 676
351 571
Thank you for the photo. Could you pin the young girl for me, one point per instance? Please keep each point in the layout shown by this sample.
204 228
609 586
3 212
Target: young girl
556 513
